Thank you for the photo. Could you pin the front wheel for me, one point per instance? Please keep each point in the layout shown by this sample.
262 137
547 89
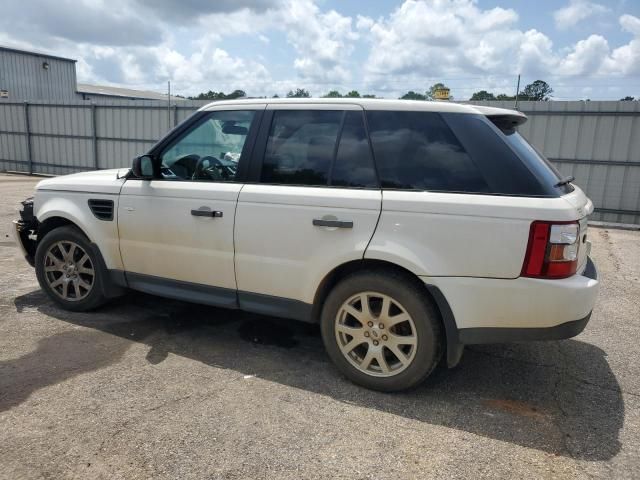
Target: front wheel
68 270
381 330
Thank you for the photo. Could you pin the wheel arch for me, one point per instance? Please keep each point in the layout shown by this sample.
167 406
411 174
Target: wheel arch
111 283
56 221
453 346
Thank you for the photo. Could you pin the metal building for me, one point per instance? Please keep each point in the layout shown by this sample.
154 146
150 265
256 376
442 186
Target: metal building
28 75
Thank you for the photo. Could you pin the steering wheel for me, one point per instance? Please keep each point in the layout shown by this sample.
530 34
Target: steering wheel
203 168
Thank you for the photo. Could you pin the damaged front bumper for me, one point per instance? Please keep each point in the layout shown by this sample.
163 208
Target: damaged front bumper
24 231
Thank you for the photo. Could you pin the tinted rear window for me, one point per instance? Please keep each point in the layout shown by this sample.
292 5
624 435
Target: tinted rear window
353 165
318 148
300 147
418 151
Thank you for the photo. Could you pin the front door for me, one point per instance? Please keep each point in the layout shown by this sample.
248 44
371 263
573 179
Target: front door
313 204
176 232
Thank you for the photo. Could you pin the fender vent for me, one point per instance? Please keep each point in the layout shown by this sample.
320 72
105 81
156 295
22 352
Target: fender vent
102 209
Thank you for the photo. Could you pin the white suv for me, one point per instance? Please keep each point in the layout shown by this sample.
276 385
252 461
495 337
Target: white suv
406 229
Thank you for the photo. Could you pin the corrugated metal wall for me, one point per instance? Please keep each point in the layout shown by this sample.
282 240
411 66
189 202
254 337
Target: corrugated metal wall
22 75
63 137
596 142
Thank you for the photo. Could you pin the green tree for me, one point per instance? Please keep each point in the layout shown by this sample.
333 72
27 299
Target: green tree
537 91
333 94
210 95
353 94
368 95
504 96
236 94
483 95
627 99
411 95
299 93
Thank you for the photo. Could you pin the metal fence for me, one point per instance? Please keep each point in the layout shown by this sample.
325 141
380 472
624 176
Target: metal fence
64 137
596 142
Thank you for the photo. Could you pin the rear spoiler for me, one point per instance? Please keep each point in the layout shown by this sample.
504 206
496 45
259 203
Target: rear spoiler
503 118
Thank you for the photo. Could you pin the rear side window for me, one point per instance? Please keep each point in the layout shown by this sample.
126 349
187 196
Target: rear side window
300 147
353 165
418 151
318 148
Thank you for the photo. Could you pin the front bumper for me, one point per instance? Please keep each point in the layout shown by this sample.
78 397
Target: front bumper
523 309
26 245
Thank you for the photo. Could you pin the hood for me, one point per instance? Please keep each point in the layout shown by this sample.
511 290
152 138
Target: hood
99 181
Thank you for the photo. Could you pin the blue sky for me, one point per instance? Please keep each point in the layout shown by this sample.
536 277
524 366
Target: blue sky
583 48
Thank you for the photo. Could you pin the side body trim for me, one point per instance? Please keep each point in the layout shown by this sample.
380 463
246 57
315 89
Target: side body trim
179 290
275 306
214 296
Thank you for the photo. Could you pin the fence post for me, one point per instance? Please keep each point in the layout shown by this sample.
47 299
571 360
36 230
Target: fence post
27 130
175 115
94 133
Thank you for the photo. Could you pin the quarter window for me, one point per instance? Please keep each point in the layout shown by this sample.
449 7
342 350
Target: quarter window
211 150
418 151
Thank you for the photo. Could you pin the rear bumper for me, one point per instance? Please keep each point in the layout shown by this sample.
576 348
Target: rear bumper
471 336
523 309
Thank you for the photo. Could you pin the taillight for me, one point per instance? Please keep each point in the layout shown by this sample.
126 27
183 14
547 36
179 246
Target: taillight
552 251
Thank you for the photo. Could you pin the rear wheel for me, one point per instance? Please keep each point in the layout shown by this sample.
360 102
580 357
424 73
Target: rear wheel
381 330
68 270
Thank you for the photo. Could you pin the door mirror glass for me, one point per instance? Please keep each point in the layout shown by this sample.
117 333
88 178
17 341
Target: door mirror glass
143 167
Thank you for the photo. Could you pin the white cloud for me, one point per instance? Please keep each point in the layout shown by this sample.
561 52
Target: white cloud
630 24
364 22
441 38
323 41
586 57
204 47
625 60
577 11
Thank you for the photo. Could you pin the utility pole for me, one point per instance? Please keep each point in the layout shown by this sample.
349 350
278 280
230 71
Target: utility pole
517 91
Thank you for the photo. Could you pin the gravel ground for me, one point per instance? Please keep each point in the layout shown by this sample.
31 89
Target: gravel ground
147 387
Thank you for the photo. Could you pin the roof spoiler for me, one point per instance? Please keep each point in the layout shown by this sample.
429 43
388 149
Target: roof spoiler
503 118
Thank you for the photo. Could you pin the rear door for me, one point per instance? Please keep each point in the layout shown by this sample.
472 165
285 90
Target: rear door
312 204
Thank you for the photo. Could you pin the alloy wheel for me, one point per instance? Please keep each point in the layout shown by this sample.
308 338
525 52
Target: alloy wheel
376 334
69 271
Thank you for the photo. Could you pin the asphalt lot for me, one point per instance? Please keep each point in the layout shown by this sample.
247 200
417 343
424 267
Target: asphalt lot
147 387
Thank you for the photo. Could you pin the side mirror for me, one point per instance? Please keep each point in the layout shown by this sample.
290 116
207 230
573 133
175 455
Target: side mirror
142 167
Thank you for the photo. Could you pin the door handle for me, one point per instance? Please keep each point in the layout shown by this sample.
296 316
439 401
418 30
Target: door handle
206 213
320 222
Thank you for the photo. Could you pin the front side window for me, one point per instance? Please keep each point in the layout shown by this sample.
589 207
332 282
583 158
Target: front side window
318 148
209 151
418 151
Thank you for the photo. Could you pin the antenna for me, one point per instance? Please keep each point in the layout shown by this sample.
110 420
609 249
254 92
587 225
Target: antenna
517 92
169 104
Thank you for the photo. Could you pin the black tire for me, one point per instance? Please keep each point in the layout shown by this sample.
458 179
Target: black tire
95 296
417 304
